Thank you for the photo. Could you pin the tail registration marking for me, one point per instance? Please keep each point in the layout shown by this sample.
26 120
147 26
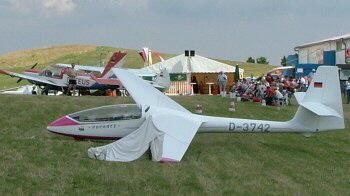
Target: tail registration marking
249 127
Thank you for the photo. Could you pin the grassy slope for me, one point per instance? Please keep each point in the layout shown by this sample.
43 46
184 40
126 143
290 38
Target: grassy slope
36 162
85 54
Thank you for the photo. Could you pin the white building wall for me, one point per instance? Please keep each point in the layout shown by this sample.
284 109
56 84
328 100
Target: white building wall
340 57
340 54
314 54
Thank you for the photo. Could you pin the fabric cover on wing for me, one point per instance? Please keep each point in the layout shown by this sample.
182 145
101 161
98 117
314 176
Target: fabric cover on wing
129 147
167 143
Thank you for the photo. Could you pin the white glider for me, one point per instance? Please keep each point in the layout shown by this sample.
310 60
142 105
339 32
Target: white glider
159 123
169 128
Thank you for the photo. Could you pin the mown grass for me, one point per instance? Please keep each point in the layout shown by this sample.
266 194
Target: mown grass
36 162
87 55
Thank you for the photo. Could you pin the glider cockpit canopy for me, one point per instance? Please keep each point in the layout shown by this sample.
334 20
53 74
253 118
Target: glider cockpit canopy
108 113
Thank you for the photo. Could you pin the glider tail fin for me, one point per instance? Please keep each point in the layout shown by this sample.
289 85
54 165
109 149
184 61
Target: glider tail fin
163 79
320 107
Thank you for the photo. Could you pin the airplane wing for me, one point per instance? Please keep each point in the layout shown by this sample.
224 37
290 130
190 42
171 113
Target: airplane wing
142 72
31 79
112 82
144 93
176 137
168 129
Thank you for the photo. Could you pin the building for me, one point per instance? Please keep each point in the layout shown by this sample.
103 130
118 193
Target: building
332 51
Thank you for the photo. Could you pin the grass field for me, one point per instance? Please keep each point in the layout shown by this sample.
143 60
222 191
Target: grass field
87 55
36 162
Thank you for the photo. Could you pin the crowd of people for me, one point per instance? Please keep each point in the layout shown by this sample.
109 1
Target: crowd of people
274 90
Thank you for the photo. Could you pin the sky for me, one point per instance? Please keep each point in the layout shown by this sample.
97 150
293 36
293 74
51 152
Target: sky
223 29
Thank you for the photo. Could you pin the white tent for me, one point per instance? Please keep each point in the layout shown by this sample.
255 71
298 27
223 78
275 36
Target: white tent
205 70
194 64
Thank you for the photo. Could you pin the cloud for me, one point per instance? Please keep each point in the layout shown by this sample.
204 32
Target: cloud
130 5
58 6
32 8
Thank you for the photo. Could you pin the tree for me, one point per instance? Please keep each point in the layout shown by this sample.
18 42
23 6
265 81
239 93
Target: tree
250 60
284 61
262 60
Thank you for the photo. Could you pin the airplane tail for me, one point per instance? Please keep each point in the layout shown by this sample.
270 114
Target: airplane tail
163 79
116 61
320 107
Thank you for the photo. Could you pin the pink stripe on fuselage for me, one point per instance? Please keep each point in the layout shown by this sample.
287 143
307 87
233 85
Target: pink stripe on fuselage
65 120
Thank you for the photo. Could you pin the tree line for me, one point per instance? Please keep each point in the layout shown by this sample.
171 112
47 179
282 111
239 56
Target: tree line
259 60
263 60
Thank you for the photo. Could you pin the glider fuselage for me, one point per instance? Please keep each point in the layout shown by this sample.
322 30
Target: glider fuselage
117 121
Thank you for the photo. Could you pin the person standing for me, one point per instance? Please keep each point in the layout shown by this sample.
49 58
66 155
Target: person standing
222 78
347 83
195 85
72 74
302 84
270 95
312 73
269 79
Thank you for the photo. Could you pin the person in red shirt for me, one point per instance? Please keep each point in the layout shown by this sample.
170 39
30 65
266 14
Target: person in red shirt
270 94
286 82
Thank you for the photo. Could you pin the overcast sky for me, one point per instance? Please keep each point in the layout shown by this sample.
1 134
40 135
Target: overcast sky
225 29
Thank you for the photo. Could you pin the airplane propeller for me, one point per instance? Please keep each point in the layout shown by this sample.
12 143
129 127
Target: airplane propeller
34 66
19 80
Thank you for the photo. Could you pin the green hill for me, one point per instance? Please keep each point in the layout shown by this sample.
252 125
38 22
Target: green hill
88 55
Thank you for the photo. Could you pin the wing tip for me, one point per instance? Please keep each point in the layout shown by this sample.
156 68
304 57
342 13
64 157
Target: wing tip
168 160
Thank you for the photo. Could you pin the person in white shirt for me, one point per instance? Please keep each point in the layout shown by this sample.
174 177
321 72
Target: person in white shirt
303 84
262 90
347 88
312 73
222 78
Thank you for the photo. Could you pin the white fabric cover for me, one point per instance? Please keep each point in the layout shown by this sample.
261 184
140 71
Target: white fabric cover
167 143
130 147
196 64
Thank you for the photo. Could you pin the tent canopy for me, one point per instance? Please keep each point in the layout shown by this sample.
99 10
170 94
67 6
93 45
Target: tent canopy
194 64
282 68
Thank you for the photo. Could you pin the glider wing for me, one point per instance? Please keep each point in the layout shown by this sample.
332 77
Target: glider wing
144 93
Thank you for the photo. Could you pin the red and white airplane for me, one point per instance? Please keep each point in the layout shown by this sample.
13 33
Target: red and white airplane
54 77
158 123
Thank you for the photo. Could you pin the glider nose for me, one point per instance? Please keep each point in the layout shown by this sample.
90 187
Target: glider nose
64 121
60 123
